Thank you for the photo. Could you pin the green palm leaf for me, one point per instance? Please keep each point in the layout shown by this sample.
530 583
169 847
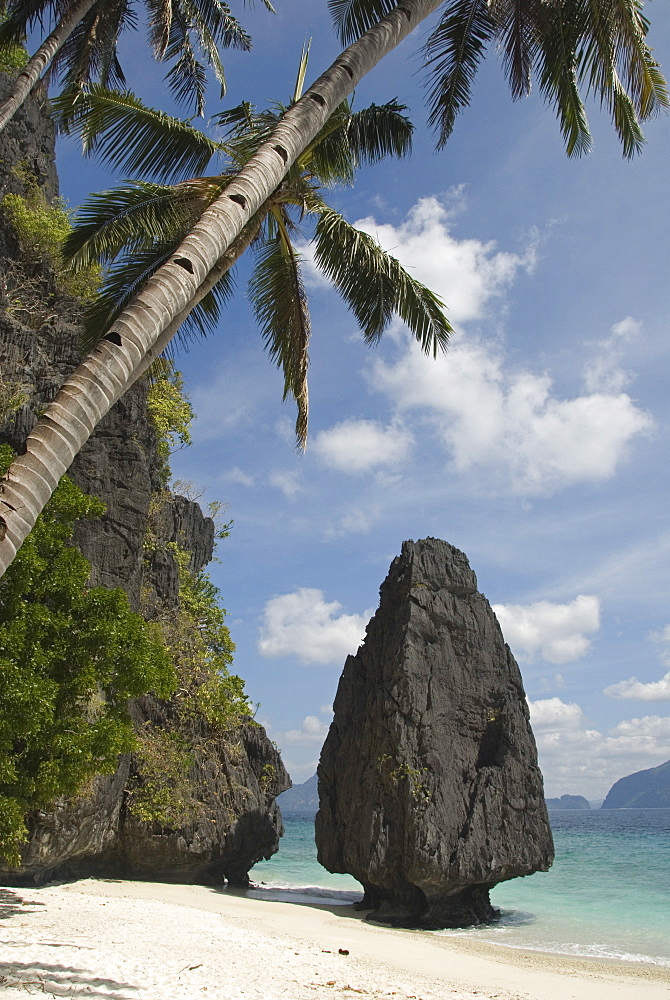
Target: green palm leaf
557 73
279 301
20 17
87 54
375 286
128 135
353 17
517 30
454 51
351 139
132 215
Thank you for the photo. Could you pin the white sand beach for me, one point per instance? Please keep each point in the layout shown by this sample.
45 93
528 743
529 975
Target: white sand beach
148 941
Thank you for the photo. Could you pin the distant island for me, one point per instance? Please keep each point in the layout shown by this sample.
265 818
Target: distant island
301 800
566 802
648 789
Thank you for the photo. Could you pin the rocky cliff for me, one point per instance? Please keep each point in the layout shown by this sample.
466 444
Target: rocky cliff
234 777
429 787
649 789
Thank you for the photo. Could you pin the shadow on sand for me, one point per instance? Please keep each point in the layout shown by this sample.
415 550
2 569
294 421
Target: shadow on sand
11 904
62 980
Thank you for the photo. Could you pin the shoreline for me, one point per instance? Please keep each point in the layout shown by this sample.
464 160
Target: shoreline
163 941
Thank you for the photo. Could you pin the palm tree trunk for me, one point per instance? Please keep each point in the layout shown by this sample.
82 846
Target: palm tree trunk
102 378
36 66
222 266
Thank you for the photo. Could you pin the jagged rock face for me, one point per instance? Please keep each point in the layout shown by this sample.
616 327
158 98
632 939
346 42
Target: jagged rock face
237 821
235 781
429 787
27 141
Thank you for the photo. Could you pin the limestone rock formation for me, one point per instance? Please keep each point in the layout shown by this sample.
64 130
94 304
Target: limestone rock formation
429 787
234 781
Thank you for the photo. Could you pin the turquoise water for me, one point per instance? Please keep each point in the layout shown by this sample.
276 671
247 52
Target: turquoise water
607 895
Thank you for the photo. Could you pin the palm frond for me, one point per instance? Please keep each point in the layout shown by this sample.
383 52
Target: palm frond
557 74
129 135
90 52
302 70
187 78
349 139
375 285
454 51
380 130
517 30
278 298
160 23
20 16
352 18
615 45
125 218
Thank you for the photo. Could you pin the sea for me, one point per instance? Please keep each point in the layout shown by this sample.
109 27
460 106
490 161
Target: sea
606 896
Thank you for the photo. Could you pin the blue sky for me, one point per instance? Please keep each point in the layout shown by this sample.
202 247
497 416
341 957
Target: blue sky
538 445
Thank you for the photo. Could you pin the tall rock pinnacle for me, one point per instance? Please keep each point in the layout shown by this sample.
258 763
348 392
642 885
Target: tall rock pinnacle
430 792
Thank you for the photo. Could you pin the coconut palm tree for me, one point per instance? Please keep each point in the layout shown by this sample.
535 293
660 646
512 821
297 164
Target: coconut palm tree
594 59
597 46
134 228
82 45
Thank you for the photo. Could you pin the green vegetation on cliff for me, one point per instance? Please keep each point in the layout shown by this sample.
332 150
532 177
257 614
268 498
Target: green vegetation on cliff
70 658
41 229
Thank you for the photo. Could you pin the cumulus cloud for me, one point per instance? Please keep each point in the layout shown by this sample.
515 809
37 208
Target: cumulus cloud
558 632
290 483
638 691
466 273
356 446
653 690
237 475
312 730
604 373
578 759
508 427
305 625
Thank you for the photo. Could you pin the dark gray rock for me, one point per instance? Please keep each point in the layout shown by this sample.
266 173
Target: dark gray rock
569 802
648 789
429 788
234 780
28 143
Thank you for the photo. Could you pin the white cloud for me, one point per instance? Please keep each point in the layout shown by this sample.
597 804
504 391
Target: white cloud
466 274
662 637
237 475
576 759
557 631
638 691
548 714
355 446
508 427
653 690
290 483
604 372
304 625
300 770
312 730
